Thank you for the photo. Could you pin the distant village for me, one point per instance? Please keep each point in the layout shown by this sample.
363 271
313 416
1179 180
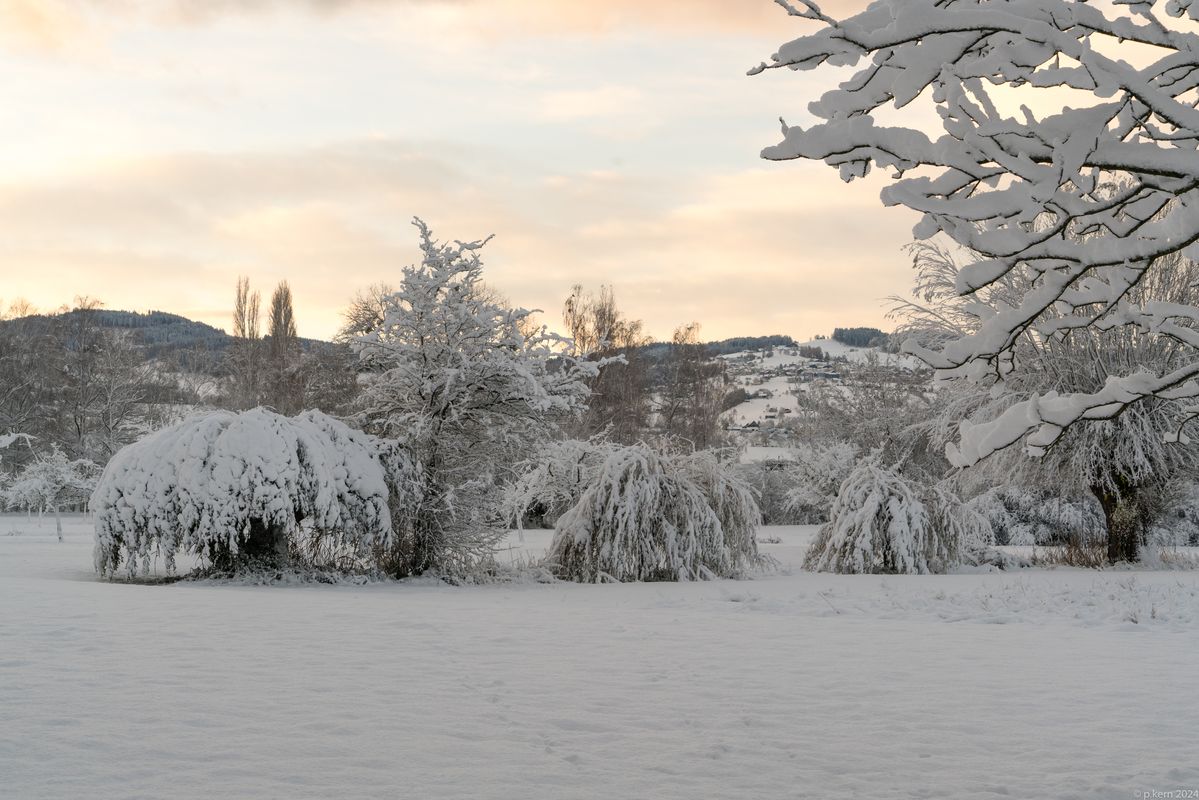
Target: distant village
772 379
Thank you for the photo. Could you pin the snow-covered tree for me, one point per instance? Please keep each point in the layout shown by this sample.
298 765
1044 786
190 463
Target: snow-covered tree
1026 516
817 475
690 390
1125 461
9 439
50 482
646 515
882 522
255 487
734 503
1089 200
463 383
552 480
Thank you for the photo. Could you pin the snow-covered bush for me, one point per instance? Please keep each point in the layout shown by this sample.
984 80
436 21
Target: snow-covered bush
967 534
817 475
231 488
1024 517
552 481
882 522
646 515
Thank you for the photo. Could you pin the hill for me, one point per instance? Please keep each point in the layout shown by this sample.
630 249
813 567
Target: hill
161 333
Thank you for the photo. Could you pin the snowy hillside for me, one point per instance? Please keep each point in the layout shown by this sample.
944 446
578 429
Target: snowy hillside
772 377
858 355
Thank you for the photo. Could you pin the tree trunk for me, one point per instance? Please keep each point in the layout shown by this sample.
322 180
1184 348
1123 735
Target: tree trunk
265 543
1124 525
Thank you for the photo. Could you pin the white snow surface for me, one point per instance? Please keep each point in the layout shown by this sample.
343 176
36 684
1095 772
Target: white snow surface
1037 683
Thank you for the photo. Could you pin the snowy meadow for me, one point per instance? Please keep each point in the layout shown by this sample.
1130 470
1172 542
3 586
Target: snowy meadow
1039 683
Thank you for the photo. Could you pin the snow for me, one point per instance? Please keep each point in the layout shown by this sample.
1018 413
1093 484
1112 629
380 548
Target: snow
858 355
759 408
1039 683
759 454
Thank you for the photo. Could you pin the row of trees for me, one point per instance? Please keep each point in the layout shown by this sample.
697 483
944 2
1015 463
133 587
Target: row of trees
671 393
461 392
273 369
69 381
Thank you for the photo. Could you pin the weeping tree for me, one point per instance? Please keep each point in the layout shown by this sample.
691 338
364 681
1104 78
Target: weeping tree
552 480
885 523
1089 200
1128 462
817 476
639 514
249 490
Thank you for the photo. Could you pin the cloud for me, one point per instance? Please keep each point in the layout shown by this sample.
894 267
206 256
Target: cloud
39 24
604 101
55 24
779 249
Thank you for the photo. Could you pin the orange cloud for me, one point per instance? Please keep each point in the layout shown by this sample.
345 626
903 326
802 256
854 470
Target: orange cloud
782 248
40 24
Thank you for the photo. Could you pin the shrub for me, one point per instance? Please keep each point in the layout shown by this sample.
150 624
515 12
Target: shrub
646 515
882 522
252 487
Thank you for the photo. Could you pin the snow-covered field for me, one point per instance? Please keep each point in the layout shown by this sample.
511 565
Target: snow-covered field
1041 683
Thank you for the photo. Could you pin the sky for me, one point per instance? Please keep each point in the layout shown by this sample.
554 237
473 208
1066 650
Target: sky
155 150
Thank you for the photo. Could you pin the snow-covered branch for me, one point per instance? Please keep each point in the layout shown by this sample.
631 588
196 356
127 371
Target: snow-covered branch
1090 198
